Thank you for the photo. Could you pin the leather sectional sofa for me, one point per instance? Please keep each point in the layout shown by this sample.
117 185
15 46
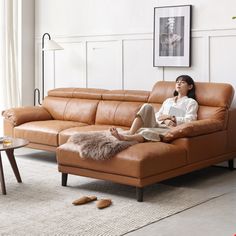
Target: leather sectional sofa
188 147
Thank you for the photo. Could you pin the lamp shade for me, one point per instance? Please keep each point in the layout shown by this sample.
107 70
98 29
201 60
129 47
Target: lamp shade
51 45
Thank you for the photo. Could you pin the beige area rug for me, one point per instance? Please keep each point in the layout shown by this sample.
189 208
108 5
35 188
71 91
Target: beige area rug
41 206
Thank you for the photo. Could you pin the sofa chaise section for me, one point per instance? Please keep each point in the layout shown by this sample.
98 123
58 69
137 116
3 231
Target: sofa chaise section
194 146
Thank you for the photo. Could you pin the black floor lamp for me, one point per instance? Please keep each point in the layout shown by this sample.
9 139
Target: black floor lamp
50 45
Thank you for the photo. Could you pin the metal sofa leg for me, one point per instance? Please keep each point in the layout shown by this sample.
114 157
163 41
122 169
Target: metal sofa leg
139 194
231 164
64 177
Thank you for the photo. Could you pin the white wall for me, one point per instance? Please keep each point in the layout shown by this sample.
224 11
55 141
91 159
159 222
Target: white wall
108 43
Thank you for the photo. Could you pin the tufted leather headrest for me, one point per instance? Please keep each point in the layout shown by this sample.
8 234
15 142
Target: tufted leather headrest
214 94
207 94
126 95
87 93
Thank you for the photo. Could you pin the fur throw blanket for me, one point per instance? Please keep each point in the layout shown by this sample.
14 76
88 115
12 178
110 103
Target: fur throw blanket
98 145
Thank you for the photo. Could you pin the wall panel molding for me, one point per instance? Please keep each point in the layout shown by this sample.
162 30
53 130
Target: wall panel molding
124 45
142 34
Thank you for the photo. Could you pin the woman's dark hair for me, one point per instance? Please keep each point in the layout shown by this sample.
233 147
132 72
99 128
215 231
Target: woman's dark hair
189 81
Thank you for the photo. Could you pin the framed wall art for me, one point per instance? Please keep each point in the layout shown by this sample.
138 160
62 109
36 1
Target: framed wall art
172 36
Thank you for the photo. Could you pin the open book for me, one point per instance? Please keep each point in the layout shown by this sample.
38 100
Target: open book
174 111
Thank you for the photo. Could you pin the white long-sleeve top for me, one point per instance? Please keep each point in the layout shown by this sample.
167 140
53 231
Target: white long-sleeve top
184 109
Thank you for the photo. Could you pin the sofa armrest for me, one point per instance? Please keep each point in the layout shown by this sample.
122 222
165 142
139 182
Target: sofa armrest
21 115
192 129
231 130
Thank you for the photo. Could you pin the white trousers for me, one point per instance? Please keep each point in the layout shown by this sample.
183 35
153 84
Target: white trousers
151 129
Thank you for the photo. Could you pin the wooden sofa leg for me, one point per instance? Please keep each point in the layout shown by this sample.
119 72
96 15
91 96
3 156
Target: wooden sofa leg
231 164
64 177
139 194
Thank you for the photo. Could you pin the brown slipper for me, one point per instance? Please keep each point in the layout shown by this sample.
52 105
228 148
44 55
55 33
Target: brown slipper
84 199
103 203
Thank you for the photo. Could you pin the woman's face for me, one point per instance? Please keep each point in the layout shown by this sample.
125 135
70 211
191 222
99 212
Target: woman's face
182 87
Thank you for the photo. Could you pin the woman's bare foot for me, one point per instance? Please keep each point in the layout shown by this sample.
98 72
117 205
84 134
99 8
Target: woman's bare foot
114 132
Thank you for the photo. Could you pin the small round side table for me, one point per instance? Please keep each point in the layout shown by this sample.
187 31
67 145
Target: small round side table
9 149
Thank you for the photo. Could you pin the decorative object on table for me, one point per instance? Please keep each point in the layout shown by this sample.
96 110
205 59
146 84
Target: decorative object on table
172 36
49 45
7 141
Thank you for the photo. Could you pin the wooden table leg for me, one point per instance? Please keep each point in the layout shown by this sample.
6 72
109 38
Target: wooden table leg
2 177
11 157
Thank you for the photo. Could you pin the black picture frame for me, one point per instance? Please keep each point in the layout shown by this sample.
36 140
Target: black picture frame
172 36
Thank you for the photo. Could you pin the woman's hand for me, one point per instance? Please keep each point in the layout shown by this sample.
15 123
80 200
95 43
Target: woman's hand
170 122
164 117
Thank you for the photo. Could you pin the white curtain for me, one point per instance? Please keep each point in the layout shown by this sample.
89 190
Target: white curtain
9 66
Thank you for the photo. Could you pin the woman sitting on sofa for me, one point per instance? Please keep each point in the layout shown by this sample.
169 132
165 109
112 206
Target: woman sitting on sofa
148 126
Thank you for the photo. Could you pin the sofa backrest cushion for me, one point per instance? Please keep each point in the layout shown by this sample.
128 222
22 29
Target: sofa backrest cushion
117 112
56 106
119 107
73 104
71 109
207 94
214 99
81 110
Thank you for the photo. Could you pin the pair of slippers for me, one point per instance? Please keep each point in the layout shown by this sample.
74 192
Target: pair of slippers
102 203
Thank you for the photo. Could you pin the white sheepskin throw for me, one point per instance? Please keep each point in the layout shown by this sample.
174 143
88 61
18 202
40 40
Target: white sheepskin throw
98 145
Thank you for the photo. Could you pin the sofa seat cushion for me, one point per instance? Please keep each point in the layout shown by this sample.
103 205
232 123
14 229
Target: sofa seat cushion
65 134
139 161
44 132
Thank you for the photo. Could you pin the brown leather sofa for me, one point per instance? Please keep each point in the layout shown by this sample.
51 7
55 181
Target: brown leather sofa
188 147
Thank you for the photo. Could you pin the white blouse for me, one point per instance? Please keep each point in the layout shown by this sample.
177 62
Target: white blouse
184 109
